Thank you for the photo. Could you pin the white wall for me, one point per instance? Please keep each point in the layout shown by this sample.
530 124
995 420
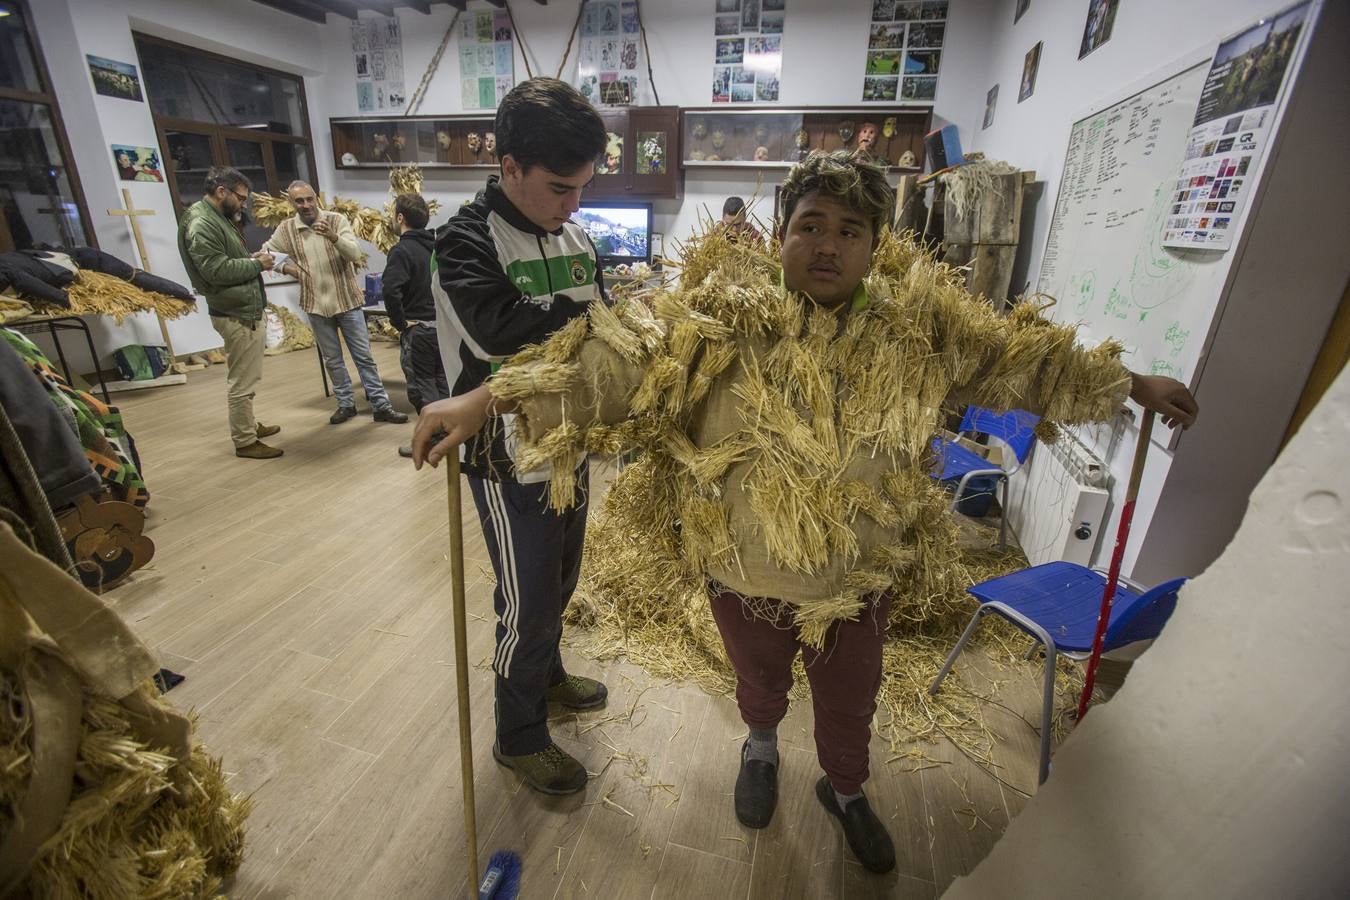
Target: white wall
1033 134
69 29
1186 513
1218 770
824 44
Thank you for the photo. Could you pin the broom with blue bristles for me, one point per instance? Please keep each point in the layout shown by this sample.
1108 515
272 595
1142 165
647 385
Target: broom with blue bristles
501 881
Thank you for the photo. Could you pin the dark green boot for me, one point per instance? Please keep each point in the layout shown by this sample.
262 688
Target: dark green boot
550 771
577 692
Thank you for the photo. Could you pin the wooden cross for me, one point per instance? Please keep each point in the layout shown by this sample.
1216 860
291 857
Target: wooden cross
133 215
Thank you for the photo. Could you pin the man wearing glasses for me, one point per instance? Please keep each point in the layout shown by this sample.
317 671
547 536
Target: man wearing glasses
221 268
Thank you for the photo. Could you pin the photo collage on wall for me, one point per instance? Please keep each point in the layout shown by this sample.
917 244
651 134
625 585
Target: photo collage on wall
904 50
611 60
748 63
487 58
1234 120
377 51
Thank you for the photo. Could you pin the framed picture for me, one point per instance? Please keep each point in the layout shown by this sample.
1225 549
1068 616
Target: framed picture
137 163
990 99
1021 9
1029 68
114 79
1097 31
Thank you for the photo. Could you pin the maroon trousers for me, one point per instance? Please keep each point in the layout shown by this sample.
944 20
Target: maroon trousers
844 677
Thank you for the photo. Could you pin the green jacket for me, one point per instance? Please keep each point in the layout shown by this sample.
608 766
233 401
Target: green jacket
219 265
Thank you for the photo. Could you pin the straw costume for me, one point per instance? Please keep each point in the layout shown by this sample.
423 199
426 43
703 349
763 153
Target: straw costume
786 444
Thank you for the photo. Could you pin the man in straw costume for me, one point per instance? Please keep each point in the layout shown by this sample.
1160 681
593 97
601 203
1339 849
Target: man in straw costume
784 405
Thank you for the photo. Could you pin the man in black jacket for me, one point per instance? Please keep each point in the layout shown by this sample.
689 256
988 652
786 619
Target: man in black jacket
509 270
412 310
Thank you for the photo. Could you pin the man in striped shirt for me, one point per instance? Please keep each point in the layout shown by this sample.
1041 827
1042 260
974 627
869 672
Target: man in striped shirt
322 252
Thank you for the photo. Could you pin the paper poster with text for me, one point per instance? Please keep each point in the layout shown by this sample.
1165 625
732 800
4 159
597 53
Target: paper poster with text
487 54
1233 123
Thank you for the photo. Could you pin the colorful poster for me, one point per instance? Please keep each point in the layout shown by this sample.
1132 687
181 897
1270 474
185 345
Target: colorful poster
612 61
137 163
747 50
487 58
377 53
904 50
1233 122
113 78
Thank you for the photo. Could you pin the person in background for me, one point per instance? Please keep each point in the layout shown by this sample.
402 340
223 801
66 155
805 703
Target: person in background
412 310
221 268
323 253
736 223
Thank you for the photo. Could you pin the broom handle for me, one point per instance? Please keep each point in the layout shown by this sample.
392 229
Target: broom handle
462 669
1112 579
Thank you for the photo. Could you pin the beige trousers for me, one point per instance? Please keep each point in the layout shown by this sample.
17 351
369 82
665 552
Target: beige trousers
243 365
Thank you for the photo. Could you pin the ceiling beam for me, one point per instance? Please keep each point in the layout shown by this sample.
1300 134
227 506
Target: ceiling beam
461 5
345 8
302 8
422 6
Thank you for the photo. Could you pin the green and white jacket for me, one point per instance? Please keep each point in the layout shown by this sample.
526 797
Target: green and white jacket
502 283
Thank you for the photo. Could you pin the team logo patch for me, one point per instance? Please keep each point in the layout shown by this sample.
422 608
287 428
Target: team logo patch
578 272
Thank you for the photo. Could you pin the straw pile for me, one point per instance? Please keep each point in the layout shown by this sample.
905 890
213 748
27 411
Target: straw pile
968 182
138 824
99 294
295 334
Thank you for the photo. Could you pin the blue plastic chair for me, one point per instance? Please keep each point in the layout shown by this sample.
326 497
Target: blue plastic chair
1057 604
1013 430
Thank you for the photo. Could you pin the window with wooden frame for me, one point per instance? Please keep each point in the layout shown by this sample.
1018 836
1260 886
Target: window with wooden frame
213 111
40 197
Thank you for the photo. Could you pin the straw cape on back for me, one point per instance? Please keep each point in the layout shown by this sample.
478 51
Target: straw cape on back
785 444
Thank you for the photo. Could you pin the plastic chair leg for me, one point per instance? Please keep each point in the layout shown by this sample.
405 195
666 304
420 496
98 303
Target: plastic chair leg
956 651
1003 517
1047 710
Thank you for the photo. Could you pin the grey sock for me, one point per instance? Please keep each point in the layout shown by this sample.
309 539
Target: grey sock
763 745
845 799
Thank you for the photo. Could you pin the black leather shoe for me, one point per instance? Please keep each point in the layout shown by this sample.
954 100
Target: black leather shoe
389 414
867 837
756 790
343 414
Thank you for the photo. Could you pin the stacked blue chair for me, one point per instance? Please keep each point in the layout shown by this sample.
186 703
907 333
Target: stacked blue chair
1014 430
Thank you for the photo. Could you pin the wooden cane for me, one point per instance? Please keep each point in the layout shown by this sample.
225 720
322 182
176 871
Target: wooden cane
1113 578
462 669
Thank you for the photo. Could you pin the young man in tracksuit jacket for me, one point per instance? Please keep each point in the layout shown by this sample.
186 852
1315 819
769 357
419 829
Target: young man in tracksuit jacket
509 270
406 291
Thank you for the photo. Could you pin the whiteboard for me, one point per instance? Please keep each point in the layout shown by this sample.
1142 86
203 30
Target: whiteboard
1104 262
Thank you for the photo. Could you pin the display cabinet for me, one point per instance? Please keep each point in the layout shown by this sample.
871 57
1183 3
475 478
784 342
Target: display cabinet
642 156
451 142
777 138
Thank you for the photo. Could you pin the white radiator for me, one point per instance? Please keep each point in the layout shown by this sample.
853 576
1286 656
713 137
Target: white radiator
1057 502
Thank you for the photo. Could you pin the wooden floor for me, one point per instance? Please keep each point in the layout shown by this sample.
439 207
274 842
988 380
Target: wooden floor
307 600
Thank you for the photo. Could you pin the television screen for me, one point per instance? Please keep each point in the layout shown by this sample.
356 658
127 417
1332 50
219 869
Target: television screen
621 232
